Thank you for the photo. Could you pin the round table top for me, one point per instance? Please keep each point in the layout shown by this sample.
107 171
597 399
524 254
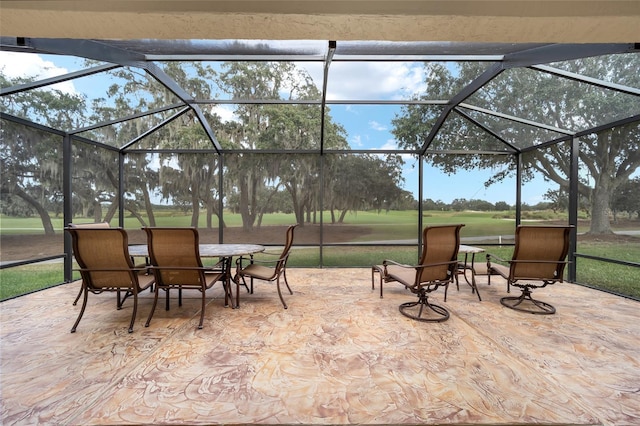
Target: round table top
208 250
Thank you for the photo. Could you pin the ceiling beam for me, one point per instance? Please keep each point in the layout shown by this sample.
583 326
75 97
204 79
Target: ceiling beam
577 21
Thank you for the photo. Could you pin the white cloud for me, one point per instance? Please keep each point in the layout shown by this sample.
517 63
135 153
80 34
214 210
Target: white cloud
225 112
356 141
390 144
14 64
377 126
375 80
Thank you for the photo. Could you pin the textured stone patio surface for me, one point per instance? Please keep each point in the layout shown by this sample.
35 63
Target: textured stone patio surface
339 355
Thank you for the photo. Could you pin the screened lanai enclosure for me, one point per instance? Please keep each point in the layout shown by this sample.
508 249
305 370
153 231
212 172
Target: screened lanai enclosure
361 143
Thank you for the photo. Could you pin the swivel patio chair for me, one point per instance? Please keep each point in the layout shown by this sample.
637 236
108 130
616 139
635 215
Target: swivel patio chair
538 260
437 267
105 265
266 269
176 263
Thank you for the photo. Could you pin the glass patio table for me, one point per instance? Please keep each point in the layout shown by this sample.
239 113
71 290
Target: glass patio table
223 251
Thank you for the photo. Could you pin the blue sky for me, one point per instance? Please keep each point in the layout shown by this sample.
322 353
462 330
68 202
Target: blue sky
368 127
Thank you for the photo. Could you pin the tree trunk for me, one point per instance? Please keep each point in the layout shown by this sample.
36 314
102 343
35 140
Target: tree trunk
245 213
210 213
111 211
97 212
600 223
343 213
298 206
136 215
147 205
44 215
85 208
195 205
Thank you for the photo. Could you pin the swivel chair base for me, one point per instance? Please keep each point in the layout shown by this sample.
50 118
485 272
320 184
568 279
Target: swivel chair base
532 306
442 313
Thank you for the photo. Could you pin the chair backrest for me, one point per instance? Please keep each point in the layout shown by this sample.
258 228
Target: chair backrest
103 256
545 246
90 225
282 263
440 247
175 247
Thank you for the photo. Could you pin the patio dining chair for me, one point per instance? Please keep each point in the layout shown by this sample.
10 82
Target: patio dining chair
436 268
539 259
105 266
89 225
266 269
176 264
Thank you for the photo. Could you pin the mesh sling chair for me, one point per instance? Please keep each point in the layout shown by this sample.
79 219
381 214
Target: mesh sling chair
105 265
437 267
89 225
266 269
538 260
176 263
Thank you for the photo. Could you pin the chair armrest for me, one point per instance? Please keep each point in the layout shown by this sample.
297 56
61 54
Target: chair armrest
136 269
499 259
184 268
426 265
539 261
386 262
280 257
262 261
268 253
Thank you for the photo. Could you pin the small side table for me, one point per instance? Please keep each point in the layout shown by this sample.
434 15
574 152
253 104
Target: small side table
465 266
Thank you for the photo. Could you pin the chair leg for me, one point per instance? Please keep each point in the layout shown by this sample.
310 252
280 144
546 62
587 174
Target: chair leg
244 282
228 293
75 302
122 299
284 275
375 269
84 305
153 308
237 280
135 310
280 293
202 308
475 285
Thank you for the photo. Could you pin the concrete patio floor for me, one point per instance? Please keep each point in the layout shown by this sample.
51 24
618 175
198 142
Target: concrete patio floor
339 355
